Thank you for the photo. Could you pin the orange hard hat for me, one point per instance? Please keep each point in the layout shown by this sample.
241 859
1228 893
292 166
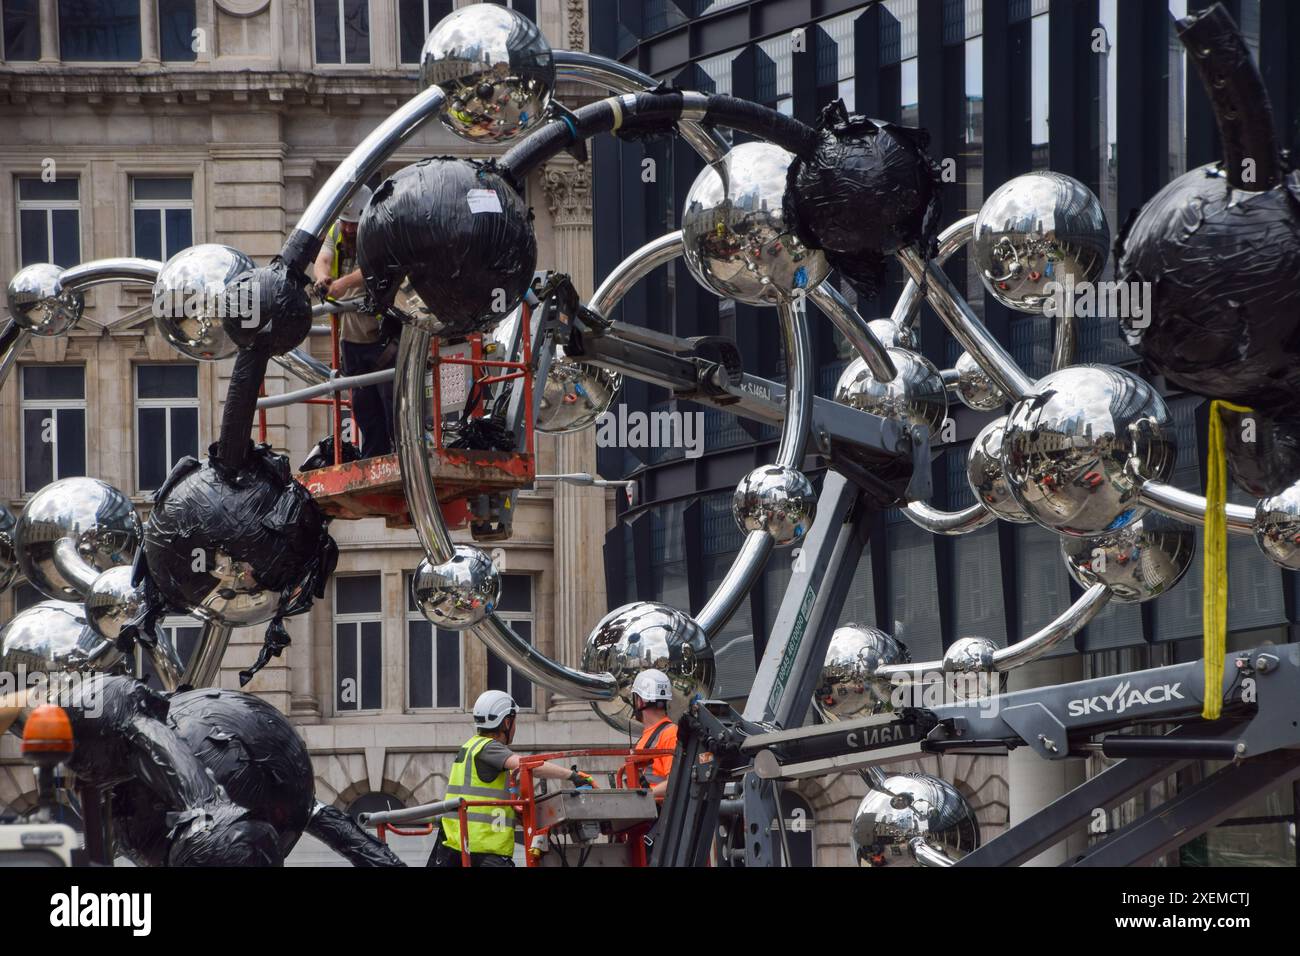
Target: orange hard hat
48 731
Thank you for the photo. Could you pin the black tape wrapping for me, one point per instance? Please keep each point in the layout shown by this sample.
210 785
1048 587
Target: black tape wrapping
469 267
1263 454
341 834
322 454
867 191
9 333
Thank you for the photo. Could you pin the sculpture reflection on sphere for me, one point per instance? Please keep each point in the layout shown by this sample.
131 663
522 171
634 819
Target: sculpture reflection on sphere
53 637
848 686
575 395
1137 563
190 299
906 807
39 304
915 396
987 477
460 592
1277 528
775 499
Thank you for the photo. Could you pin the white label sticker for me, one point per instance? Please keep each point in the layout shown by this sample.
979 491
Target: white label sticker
483 200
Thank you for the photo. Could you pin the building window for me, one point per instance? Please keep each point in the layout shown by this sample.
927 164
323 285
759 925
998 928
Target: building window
166 420
415 19
99 30
516 609
25 596
162 216
22 28
176 25
358 643
49 221
434 661
342 31
54 424
527 7
184 633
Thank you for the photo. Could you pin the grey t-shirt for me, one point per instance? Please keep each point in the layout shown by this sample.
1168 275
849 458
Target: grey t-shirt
491 760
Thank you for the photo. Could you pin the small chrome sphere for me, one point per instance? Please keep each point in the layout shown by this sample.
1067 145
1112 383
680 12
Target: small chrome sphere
496 69
53 637
458 593
1037 234
642 635
8 553
985 474
1277 528
71 530
848 686
778 500
969 655
974 387
39 304
112 602
575 395
739 239
904 807
1077 451
189 300
891 335
1138 563
915 396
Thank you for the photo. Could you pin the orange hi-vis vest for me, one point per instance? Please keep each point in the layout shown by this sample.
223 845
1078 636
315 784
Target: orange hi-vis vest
662 736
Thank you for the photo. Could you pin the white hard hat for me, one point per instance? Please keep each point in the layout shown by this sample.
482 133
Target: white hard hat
491 708
652 685
356 205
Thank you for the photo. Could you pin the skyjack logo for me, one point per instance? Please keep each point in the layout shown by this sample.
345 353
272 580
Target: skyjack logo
133 910
1122 698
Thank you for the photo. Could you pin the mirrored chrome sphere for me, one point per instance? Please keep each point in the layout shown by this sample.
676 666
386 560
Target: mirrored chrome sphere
974 387
1277 528
71 530
906 806
984 472
778 500
1036 234
1137 563
8 553
112 602
1078 450
891 335
53 637
646 634
39 304
739 239
189 300
915 396
496 69
458 593
575 395
848 686
969 655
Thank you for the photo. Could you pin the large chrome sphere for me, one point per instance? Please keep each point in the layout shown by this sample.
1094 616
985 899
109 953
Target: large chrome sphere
778 500
848 686
53 637
189 300
112 602
39 304
1277 527
974 387
986 477
575 396
458 593
1036 233
892 335
969 655
904 807
74 528
496 69
1138 563
8 553
646 634
915 395
739 239
1078 450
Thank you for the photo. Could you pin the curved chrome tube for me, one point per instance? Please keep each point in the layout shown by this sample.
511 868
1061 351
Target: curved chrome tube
951 523
611 75
926 855
854 328
642 262
75 569
126 270
1068 624
1186 506
203 668
304 365
908 306
15 340
167 663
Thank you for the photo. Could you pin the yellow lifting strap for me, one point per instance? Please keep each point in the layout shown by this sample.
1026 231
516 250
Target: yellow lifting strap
1214 593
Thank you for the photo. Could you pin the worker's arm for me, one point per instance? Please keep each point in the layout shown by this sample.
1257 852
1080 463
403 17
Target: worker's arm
551 771
324 263
659 789
344 286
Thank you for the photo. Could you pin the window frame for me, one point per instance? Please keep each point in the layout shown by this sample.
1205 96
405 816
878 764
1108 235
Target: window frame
47 206
58 39
161 206
530 616
397 20
414 616
171 623
343 47
167 404
358 618
53 405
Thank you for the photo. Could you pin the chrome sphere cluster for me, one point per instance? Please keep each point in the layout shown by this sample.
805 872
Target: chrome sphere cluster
458 593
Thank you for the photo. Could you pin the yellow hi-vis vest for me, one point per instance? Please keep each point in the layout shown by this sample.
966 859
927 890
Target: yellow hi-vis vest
334 239
491 829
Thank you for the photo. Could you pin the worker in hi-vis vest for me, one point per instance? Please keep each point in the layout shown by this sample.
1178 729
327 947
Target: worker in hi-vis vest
363 345
482 771
651 693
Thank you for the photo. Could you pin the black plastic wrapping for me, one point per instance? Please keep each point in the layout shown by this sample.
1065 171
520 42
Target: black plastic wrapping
868 191
1263 453
341 834
282 312
460 231
240 409
322 455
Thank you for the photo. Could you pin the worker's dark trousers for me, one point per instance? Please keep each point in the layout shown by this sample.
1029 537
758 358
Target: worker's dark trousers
444 857
372 406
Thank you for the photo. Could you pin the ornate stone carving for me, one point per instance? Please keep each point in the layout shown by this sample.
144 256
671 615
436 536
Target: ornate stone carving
568 194
577 14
